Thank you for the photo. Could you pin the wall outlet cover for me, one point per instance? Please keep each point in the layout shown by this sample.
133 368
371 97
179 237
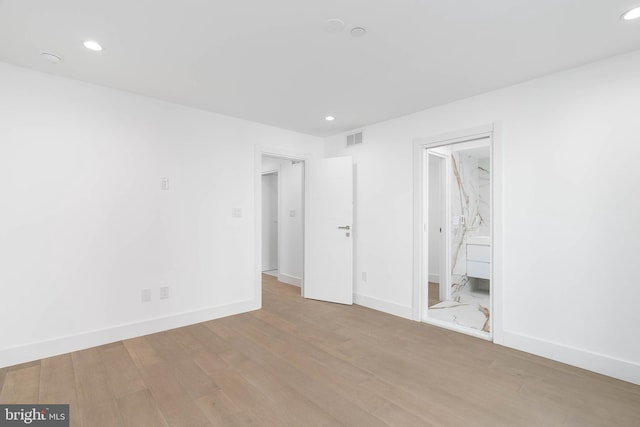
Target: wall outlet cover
145 295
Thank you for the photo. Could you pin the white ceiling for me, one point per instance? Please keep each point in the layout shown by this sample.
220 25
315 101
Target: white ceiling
272 61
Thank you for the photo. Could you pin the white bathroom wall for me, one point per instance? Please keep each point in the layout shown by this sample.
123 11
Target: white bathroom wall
84 225
569 234
290 218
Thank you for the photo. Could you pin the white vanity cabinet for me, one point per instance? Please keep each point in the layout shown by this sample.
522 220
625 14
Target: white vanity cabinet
479 257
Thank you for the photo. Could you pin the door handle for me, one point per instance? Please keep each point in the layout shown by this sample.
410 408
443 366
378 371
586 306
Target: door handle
346 227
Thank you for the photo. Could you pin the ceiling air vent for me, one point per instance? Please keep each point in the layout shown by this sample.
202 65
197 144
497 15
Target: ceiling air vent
354 139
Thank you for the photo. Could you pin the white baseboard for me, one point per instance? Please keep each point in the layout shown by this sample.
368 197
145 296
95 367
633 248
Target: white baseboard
606 365
434 278
291 280
42 349
384 306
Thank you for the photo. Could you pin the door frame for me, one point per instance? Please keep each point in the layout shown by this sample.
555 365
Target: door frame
420 249
287 154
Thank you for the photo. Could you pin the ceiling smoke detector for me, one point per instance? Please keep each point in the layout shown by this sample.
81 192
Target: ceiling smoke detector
333 25
50 58
358 32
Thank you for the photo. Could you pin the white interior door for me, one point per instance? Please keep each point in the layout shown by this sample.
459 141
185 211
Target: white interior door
329 255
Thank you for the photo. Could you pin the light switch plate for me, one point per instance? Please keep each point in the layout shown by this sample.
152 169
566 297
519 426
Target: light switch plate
164 183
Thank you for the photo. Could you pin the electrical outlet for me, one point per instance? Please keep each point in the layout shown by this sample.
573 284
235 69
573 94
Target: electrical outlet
236 213
164 292
145 295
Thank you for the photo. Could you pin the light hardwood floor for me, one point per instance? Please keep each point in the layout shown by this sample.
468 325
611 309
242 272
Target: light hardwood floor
433 294
300 362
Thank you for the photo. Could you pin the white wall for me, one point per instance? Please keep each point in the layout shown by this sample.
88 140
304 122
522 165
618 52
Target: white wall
292 223
571 147
290 218
84 225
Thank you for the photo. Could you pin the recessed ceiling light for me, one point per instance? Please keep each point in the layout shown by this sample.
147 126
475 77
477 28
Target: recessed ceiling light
632 14
358 32
90 44
50 58
329 118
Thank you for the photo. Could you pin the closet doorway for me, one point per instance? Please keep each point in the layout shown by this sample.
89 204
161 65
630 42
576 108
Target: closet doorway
283 219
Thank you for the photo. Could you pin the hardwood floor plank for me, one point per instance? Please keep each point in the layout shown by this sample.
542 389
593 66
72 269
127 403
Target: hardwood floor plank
3 374
179 360
221 411
21 385
244 395
166 347
58 386
96 404
173 401
141 352
286 401
121 370
186 340
138 409
193 379
211 341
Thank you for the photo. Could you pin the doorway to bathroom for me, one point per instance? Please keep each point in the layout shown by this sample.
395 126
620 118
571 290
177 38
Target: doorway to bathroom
456 234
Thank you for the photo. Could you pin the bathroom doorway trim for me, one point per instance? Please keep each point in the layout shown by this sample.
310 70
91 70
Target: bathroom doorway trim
420 229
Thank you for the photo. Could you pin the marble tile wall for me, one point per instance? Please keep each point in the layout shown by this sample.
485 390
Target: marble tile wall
470 209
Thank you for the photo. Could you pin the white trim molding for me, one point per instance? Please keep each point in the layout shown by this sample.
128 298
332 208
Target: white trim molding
382 305
606 365
289 279
434 278
66 344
